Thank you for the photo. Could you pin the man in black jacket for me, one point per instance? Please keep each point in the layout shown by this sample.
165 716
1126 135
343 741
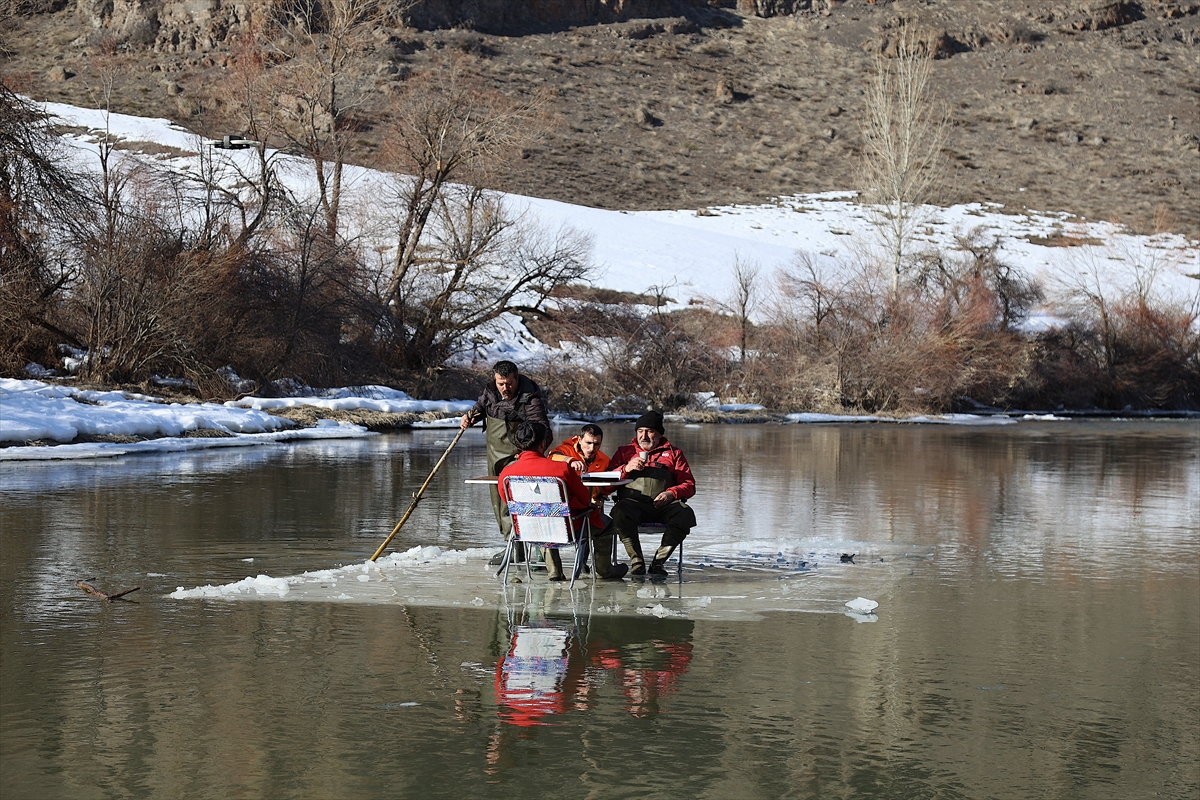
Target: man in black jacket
511 399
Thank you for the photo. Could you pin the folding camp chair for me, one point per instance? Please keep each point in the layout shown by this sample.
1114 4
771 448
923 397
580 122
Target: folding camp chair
541 515
658 529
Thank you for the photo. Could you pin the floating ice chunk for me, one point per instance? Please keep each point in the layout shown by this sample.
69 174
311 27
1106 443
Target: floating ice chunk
861 605
660 611
364 578
862 617
478 601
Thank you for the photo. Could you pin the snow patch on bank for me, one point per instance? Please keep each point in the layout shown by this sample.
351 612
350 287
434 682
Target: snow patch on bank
36 411
369 398
935 419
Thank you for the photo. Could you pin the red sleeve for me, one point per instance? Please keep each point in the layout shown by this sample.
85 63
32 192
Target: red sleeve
685 484
578 495
504 473
621 457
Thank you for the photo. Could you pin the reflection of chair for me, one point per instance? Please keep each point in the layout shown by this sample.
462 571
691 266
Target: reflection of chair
541 515
658 529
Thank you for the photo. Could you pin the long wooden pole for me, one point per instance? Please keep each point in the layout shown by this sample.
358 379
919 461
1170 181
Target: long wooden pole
417 497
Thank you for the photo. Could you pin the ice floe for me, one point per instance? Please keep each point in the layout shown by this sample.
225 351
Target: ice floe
720 582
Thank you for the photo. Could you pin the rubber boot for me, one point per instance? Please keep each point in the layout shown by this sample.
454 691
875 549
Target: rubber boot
637 562
659 565
554 568
605 569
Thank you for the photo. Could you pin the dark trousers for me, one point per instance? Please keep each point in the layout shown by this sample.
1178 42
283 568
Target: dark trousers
630 512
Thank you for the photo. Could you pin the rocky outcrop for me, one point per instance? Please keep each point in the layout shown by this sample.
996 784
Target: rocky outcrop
779 8
187 25
498 16
1105 14
168 25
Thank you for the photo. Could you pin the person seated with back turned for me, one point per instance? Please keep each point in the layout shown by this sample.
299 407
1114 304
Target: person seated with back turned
532 439
661 483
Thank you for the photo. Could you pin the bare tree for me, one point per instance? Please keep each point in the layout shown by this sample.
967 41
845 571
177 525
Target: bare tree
301 86
903 134
480 261
447 129
743 301
41 199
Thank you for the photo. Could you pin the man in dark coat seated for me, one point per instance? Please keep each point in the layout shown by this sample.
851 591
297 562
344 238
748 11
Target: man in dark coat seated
661 483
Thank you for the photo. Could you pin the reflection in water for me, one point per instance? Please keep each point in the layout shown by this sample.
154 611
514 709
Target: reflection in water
556 664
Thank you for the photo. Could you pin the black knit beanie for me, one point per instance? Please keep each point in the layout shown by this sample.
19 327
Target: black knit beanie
651 419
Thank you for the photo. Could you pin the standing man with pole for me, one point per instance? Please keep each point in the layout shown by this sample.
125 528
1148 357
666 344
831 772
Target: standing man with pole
512 398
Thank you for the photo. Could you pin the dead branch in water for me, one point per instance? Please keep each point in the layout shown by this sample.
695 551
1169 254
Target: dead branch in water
92 590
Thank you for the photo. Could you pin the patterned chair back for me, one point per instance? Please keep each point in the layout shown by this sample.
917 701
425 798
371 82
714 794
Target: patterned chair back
539 509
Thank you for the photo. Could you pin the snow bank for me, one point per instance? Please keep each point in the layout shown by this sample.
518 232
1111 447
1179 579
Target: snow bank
938 419
369 398
32 410
35 410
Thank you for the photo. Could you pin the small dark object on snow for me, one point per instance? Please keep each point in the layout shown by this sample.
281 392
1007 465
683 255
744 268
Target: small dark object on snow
235 143
848 558
92 590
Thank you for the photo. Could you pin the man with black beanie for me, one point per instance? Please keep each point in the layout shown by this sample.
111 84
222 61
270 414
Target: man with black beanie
661 483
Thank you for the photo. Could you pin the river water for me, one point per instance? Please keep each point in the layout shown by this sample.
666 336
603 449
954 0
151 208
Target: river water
1037 635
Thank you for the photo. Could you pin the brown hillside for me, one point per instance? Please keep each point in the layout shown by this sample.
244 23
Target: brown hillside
1087 107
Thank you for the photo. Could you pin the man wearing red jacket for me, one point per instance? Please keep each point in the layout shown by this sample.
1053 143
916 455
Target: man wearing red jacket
582 453
532 438
661 484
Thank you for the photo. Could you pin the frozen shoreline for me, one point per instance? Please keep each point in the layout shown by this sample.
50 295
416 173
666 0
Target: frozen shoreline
56 416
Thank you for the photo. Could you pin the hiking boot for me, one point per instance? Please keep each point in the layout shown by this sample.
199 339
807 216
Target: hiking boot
659 565
633 546
617 573
553 565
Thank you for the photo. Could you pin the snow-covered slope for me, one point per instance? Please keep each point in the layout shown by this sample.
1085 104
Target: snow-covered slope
690 253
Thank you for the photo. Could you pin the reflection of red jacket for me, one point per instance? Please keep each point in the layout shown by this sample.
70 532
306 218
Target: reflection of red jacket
682 484
539 680
644 688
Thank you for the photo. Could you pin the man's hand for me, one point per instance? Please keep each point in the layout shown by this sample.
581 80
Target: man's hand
663 499
635 463
465 422
578 466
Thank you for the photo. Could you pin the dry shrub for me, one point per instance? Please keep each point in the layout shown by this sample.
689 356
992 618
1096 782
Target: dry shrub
842 339
623 357
1143 355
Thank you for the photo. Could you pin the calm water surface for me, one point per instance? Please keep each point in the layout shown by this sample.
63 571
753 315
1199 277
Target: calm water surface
1047 645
